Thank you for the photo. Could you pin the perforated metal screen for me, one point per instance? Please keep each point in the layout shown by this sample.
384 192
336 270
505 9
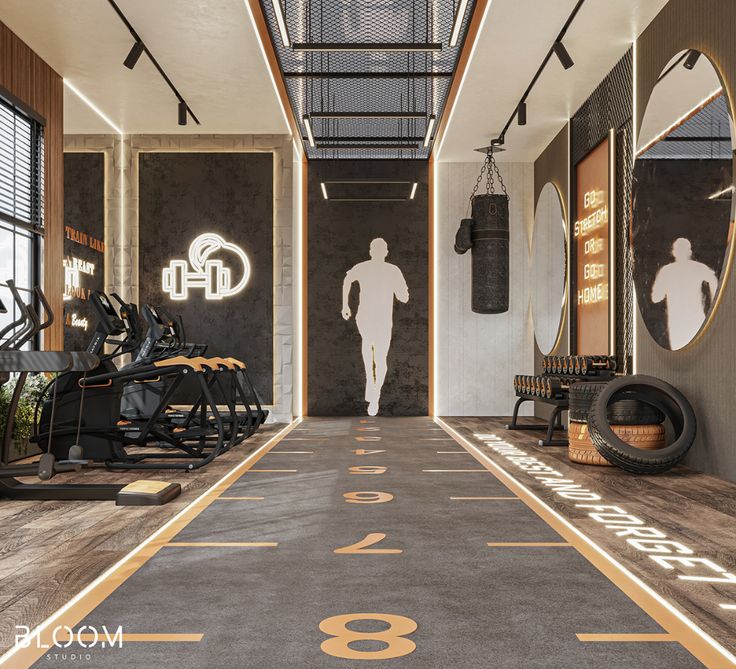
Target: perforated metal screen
331 82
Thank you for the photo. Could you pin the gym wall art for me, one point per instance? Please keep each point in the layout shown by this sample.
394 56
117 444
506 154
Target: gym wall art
593 248
206 252
683 209
84 248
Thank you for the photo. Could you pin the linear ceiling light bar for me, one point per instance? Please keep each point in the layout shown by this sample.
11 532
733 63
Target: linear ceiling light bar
366 75
367 146
559 50
413 190
363 138
367 46
143 48
458 22
324 189
281 21
346 114
430 128
308 126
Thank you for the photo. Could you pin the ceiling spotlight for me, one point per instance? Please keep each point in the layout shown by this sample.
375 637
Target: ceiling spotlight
521 113
133 55
281 20
430 127
458 22
413 190
563 55
308 126
692 58
324 189
182 113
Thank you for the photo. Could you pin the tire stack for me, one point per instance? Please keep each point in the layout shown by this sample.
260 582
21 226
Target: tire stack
636 423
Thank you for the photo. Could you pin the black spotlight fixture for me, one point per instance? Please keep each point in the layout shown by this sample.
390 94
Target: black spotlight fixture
562 55
134 55
521 113
182 113
692 58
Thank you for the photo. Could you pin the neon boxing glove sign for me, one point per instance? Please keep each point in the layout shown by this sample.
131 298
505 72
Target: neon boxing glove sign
204 272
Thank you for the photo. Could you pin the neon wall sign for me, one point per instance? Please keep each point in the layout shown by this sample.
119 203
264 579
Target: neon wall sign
202 271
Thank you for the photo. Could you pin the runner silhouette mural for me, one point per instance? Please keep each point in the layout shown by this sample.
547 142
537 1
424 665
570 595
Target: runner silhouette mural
381 283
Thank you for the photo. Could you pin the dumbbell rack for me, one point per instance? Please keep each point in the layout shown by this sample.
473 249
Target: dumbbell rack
560 401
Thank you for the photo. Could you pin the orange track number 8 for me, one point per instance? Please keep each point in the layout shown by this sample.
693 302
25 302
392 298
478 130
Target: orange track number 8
396 645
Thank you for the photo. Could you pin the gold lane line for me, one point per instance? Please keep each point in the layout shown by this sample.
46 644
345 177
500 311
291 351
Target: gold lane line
493 498
530 544
626 638
224 544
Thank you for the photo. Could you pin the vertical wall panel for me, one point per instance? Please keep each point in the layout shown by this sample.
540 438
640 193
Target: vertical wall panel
704 371
480 353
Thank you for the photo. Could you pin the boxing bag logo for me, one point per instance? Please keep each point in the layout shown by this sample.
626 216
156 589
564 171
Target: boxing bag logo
205 271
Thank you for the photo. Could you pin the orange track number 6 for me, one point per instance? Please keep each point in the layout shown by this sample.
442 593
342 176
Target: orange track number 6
396 645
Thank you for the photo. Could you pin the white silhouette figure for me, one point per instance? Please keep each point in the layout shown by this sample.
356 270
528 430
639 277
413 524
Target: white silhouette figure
379 283
681 284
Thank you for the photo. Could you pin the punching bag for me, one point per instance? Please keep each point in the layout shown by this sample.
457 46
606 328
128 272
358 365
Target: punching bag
487 234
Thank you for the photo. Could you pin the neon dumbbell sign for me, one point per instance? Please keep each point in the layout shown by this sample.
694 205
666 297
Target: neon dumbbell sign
203 271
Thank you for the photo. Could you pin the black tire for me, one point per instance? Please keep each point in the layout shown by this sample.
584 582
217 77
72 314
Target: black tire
659 394
624 411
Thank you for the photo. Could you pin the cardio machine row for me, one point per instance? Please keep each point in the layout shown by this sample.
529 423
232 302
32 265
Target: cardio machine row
95 412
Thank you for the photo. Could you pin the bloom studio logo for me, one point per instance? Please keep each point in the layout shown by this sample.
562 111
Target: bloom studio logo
84 640
206 271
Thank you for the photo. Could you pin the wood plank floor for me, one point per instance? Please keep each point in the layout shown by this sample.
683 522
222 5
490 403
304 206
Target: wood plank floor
49 551
689 506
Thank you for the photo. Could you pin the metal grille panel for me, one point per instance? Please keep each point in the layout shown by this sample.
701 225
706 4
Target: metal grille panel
417 81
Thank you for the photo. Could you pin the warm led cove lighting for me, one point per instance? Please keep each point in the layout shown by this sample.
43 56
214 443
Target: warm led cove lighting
279 12
721 193
430 128
413 190
92 106
308 126
458 23
324 189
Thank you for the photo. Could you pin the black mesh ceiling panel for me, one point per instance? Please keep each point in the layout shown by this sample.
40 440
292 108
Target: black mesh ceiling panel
370 75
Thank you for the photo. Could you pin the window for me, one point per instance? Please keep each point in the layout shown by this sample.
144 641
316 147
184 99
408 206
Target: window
21 203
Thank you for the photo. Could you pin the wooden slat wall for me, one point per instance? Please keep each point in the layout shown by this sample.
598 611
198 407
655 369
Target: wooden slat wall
31 80
705 370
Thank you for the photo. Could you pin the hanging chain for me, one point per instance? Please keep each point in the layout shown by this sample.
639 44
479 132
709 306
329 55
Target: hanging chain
477 184
488 168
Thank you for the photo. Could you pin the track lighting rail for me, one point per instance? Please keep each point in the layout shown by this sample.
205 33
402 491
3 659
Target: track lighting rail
141 45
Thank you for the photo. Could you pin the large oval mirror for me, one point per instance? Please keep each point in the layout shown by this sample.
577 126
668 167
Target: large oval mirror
683 200
549 263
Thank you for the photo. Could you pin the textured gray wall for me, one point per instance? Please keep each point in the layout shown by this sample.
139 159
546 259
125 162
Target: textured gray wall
478 354
706 369
84 210
339 236
185 194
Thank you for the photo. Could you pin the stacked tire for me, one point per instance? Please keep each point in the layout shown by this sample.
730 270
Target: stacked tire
637 424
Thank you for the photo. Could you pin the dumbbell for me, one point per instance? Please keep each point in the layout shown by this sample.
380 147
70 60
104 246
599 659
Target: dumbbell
177 279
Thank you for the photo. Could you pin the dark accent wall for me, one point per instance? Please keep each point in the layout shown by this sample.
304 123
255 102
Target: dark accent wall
185 194
84 212
339 235
33 83
705 370
552 165
610 105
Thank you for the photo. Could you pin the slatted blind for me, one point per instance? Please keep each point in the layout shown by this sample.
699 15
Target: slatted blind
21 168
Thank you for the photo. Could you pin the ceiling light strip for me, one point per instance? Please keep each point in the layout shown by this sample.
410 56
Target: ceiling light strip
92 106
308 126
457 24
281 21
324 190
430 127
413 190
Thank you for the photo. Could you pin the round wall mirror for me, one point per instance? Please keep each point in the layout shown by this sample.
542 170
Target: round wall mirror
682 200
549 265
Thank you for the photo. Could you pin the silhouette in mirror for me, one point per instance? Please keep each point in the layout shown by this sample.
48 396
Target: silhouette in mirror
684 284
380 282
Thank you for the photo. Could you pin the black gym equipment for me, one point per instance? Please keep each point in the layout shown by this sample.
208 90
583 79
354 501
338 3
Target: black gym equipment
27 327
620 412
658 394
